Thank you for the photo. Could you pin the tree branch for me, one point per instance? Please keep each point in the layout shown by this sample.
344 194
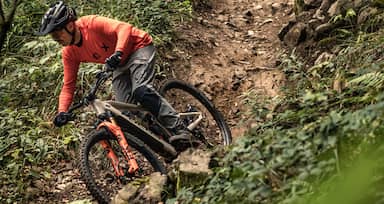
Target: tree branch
6 21
2 20
11 14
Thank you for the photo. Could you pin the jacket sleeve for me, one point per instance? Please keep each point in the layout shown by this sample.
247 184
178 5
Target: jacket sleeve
71 67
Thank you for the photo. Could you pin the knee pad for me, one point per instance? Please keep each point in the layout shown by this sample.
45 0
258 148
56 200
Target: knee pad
148 98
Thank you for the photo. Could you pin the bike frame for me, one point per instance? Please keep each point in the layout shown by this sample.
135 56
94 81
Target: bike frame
114 110
158 145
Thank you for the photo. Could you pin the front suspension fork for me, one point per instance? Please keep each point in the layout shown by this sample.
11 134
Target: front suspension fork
129 156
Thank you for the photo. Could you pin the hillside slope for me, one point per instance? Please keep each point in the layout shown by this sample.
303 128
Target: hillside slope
230 49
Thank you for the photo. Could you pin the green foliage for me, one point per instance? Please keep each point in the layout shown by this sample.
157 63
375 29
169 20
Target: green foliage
25 23
158 17
26 143
81 202
349 16
352 19
357 184
155 16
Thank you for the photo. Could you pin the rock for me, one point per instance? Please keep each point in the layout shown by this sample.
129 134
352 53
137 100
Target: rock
156 184
339 6
251 33
358 3
366 14
266 21
240 74
275 7
127 192
170 57
323 57
319 15
118 200
191 168
323 28
322 9
325 4
312 3
248 13
313 23
222 18
258 7
296 34
378 3
30 191
285 29
146 190
334 9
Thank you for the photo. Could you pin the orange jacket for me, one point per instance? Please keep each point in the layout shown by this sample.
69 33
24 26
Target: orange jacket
101 37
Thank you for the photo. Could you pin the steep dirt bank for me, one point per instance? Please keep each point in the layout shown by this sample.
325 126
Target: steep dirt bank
232 48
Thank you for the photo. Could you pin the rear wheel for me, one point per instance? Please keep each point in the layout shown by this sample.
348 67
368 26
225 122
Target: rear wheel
212 130
97 170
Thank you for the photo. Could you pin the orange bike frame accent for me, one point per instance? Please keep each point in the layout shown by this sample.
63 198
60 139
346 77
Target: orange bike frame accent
129 156
112 157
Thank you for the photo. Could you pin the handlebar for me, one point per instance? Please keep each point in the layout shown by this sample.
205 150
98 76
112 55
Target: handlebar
101 77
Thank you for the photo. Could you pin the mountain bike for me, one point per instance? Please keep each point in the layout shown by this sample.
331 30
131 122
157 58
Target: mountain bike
128 141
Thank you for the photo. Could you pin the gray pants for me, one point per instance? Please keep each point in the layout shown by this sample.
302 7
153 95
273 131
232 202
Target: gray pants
132 83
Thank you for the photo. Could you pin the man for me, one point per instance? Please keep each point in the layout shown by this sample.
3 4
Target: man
125 49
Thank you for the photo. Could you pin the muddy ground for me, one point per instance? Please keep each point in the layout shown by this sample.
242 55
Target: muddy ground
229 49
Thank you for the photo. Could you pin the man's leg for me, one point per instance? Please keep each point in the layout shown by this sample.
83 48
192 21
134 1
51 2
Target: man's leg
132 83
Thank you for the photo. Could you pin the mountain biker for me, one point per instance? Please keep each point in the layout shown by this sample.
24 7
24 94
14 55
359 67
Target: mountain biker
125 50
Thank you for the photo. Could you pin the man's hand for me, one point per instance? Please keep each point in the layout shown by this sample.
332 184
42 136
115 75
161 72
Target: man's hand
113 61
61 119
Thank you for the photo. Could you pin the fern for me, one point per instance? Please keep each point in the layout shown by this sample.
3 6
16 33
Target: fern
372 79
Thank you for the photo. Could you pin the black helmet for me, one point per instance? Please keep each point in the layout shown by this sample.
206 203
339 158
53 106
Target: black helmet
56 17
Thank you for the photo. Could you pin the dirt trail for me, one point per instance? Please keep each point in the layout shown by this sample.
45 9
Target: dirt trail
231 49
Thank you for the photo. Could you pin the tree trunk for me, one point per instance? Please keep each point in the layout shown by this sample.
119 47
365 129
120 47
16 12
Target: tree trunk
6 20
4 28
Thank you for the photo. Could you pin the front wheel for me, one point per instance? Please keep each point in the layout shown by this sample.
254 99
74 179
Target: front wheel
96 168
212 130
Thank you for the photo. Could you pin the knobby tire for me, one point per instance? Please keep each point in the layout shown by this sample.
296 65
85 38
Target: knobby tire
92 140
174 84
